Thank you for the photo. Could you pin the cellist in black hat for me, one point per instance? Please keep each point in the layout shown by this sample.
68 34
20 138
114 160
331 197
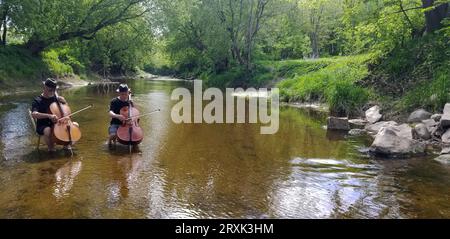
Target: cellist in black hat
114 112
40 111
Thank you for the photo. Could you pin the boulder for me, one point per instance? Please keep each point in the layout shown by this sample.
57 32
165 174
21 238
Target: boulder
389 143
418 115
374 128
436 117
447 109
446 137
336 123
404 130
437 132
373 114
445 150
444 159
356 132
357 123
445 121
430 124
422 132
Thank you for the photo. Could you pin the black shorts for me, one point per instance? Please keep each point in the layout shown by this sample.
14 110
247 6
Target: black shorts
40 129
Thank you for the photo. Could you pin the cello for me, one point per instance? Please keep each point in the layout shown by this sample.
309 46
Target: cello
130 133
65 132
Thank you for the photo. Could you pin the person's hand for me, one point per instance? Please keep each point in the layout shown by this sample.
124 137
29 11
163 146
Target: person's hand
62 100
121 118
63 120
129 122
53 118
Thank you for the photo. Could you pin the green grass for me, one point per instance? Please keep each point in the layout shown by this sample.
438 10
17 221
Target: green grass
433 95
328 80
18 68
415 76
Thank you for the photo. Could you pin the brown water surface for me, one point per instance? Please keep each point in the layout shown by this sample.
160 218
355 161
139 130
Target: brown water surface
207 171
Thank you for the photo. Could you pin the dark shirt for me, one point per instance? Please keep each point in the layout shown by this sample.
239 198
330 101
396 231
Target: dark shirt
115 106
42 105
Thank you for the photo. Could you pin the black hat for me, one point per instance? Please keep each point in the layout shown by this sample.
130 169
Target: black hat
123 88
50 83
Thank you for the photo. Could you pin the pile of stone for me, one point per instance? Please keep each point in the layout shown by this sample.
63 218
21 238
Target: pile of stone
392 139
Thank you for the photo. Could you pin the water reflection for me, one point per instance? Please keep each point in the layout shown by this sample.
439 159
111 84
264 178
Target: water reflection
65 178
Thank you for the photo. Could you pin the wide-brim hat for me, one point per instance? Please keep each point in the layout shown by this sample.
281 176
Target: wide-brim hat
123 88
50 83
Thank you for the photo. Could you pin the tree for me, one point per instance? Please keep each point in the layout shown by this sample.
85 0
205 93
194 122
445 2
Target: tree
120 48
6 7
320 20
435 12
47 22
284 35
242 19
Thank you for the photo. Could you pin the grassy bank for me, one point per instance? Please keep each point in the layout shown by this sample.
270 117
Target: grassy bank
416 75
329 80
20 71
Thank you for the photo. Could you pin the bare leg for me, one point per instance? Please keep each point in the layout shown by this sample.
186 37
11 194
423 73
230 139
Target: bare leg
112 140
49 139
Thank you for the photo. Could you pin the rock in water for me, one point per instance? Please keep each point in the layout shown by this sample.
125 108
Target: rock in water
336 123
437 132
373 114
444 159
418 115
447 109
357 123
430 124
422 131
446 137
436 117
356 132
403 130
388 143
445 150
375 128
445 119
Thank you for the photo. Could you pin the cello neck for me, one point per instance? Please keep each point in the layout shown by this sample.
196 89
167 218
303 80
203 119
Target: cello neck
130 104
61 111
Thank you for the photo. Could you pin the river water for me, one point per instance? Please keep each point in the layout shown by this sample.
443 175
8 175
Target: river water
207 171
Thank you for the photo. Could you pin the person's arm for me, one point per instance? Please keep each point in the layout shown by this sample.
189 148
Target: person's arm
114 115
37 115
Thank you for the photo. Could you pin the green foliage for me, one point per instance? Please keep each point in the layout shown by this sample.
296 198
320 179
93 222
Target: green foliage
403 70
433 95
226 79
19 68
345 98
58 62
334 82
121 48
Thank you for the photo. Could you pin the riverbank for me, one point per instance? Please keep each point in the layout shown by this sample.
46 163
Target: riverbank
349 85
22 72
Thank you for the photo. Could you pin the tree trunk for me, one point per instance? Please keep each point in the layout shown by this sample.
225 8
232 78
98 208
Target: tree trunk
4 24
433 18
314 45
5 29
36 46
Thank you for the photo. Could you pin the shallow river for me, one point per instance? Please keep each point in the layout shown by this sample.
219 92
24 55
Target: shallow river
207 171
